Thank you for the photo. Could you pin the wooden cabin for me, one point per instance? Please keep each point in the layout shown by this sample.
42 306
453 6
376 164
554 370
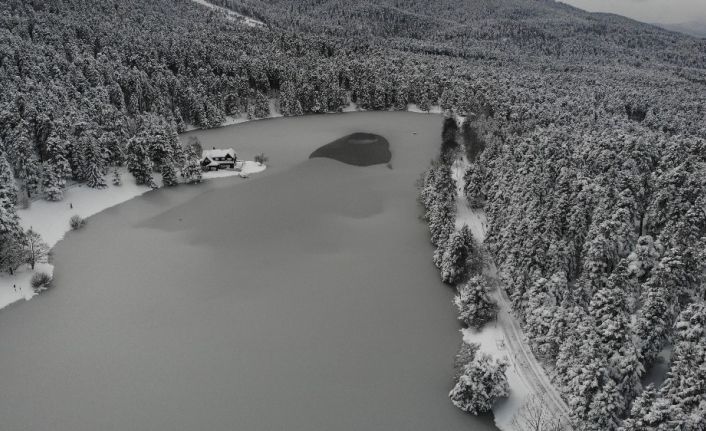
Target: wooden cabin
215 159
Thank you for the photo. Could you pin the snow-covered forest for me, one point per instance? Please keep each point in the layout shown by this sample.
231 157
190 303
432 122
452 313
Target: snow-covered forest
586 136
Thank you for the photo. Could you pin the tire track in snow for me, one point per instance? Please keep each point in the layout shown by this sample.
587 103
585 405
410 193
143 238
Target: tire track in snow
520 355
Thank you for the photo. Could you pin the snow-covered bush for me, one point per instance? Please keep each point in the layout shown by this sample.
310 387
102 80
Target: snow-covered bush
40 281
480 385
261 159
77 222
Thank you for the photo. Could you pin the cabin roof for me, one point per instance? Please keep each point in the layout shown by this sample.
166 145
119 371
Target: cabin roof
221 152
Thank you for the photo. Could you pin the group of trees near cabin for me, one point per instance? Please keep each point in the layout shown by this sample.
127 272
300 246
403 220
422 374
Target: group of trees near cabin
592 176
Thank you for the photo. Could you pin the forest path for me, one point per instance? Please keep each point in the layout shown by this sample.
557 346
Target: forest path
252 22
533 388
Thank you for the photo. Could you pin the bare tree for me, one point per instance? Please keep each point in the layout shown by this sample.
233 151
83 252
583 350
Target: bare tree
36 250
535 415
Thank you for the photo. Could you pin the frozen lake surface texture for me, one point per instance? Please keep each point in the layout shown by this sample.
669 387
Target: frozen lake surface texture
304 299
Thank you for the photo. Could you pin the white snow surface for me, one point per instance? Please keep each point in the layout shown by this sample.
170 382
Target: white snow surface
275 112
503 339
233 15
434 109
51 220
249 167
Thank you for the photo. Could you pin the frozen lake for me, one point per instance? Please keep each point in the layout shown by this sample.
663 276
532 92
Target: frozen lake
301 299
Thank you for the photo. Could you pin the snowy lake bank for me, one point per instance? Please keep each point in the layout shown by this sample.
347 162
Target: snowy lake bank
302 299
51 220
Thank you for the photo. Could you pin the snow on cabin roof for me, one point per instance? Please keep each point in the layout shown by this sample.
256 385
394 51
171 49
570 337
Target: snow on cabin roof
219 153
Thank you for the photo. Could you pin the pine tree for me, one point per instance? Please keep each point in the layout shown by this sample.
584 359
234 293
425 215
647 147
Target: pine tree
191 172
52 183
139 163
94 175
679 402
480 385
640 418
169 175
475 308
8 189
56 157
11 240
457 257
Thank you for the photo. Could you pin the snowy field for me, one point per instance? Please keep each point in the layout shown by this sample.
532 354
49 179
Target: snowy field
51 220
503 338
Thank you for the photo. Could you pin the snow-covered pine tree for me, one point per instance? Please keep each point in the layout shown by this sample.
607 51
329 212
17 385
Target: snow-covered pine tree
139 163
459 251
543 315
641 417
475 307
94 165
480 385
679 402
8 189
11 240
474 182
57 159
169 175
52 183
191 171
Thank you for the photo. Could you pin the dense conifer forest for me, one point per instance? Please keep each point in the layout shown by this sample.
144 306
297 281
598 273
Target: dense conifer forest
586 136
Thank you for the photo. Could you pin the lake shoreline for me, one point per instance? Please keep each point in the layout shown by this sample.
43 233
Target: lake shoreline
309 289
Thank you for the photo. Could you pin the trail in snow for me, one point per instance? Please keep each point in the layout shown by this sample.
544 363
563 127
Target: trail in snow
504 337
233 15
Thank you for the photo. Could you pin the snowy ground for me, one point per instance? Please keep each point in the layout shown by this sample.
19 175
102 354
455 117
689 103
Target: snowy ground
252 22
51 220
275 113
503 338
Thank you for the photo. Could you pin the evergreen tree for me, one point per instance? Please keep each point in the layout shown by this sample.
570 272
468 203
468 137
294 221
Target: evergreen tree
52 184
480 385
56 157
458 254
191 172
169 175
475 308
11 240
139 163
8 189
93 169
